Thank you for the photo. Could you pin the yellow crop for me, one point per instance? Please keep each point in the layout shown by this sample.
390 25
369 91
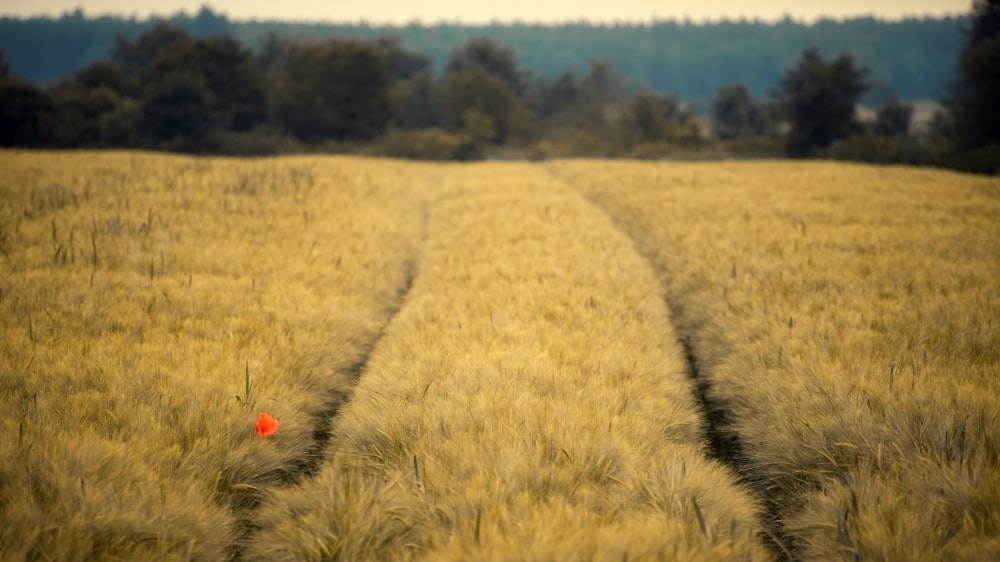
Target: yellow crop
487 361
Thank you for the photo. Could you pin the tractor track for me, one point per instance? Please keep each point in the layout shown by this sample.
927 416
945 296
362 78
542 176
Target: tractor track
300 468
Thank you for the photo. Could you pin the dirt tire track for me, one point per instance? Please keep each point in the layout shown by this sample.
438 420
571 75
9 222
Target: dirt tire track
724 444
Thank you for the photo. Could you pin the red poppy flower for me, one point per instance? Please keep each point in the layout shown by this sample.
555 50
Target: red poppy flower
266 425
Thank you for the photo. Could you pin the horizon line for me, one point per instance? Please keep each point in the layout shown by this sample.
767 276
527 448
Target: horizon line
496 21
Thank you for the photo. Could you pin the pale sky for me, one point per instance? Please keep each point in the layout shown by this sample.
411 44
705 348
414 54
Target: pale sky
400 12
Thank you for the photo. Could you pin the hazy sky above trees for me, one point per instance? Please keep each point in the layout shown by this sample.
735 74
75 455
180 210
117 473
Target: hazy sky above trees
528 11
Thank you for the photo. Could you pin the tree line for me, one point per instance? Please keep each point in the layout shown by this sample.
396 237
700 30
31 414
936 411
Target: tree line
169 89
912 58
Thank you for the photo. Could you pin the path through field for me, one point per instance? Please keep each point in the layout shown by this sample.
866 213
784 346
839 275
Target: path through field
530 400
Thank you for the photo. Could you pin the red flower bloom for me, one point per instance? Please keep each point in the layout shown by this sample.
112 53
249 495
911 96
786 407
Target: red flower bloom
266 425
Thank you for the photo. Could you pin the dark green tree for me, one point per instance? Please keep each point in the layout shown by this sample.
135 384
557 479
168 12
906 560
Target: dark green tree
189 88
975 95
490 57
102 74
91 108
984 24
650 121
232 84
480 92
819 98
401 62
551 96
333 90
416 101
893 118
735 113
662 118
588 114
483 105
414 93
235 84
176 112
27 114
79 111
138 55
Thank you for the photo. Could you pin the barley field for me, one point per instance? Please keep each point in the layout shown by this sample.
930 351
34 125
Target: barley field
569 360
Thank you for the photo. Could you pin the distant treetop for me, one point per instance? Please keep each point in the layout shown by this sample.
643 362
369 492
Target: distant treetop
913 58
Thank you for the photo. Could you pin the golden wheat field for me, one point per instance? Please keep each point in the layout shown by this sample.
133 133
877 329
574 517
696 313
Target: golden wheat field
569 360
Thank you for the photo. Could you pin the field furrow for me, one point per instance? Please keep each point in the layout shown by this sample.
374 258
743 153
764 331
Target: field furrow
150 307
529 401
846 319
